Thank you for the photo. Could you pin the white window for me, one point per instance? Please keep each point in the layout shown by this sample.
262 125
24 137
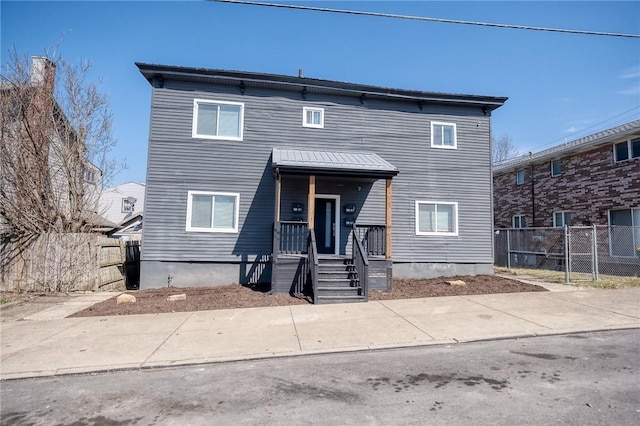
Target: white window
518 221
626 150
89 176
520 177
217 120
443 135
624 232
127 205
313 117
556 168
561 219
212 211
436 218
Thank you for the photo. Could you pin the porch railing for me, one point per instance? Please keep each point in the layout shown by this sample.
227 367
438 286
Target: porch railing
312 249
361 264
373 238
292 237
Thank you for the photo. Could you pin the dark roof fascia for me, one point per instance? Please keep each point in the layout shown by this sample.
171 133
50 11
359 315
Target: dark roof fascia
587 143
323 171
150 71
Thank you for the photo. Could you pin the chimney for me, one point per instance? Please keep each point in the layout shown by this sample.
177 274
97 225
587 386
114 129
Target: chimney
43 72
299 73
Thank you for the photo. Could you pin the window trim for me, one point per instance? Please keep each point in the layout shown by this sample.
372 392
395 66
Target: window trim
522 218
557 160
455 135
518 182
634 244
312 125
123 210
436 233
564 221
629 144
194 126
233 230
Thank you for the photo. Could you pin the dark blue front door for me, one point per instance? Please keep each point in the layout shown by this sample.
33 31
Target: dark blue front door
325 225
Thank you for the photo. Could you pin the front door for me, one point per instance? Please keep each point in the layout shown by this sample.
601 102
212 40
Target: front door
325 225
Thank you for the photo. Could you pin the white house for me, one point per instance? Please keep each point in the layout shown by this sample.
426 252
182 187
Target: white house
121 202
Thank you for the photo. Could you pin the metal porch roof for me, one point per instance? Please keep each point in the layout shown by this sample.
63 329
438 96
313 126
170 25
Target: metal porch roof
332 163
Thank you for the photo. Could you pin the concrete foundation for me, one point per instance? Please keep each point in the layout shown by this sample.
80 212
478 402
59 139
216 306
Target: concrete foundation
156 274
435 270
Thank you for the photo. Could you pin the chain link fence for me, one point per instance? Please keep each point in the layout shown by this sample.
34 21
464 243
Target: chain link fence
575 250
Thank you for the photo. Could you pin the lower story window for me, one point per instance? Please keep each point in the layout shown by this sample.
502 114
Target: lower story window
436 218
624 232
519 221
212 211
561 219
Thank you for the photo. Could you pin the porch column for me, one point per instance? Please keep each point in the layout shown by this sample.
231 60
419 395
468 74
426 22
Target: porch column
312 202
388 219
278 191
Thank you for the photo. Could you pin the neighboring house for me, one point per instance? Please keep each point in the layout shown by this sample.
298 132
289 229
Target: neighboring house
40 156
121 202
245 168
594 180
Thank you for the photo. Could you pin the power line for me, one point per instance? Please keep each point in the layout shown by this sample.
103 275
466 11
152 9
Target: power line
424 18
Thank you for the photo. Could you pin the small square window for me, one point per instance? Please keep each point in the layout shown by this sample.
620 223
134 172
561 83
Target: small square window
519 221
556 168
217 120
520 177
313 117
561 219
127 205
443 135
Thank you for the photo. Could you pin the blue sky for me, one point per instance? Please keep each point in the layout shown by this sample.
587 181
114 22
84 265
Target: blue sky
560 86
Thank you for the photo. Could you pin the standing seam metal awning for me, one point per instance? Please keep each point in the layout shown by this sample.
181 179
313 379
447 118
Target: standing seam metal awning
332 163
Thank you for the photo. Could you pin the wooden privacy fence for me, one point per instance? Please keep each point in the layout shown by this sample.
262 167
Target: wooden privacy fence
66 262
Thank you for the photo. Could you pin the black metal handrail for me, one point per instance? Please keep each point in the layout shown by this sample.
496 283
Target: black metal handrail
312 250
373 238
361 263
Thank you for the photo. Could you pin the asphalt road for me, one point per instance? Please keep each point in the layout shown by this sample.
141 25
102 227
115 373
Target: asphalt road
580 379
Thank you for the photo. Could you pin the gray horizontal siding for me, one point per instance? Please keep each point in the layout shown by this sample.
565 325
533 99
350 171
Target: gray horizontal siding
398 132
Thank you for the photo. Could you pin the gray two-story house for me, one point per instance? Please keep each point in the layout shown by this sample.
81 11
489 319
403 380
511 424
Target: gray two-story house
298 181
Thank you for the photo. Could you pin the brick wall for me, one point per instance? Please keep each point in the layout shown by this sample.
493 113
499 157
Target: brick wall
590 185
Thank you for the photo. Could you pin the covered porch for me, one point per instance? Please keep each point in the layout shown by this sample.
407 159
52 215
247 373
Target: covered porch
332 228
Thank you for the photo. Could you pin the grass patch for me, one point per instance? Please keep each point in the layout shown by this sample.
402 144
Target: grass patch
9 297
577 279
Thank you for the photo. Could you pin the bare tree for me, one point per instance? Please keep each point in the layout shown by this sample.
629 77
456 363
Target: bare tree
503 149
56 138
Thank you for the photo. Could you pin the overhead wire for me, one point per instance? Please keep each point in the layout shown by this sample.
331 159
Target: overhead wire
425 18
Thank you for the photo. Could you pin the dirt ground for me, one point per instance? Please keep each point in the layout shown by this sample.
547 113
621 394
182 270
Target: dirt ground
153 301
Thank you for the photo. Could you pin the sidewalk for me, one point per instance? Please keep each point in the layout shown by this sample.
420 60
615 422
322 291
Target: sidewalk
48 344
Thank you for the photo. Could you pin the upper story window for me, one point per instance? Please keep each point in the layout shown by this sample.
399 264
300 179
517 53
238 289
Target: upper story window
443 135
626 150
217 120
519 221
127 205
436 218
212 211
313 117
556 167
561 219
520 177
89 176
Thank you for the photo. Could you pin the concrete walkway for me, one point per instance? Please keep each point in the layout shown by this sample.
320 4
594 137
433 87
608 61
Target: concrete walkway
48 344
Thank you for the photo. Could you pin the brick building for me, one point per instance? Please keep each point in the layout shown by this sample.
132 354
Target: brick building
592 180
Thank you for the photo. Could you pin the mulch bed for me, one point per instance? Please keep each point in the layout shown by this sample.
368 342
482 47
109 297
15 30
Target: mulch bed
152 301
